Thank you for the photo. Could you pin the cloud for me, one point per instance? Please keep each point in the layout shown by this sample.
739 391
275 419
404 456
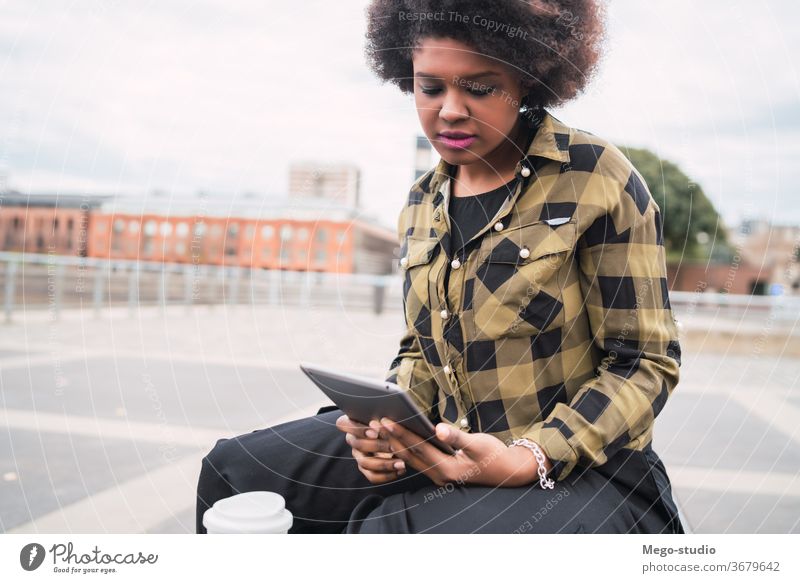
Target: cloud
182 96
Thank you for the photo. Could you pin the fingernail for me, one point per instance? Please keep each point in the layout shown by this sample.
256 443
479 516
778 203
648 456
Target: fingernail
371 433
387 424
399 465
348 438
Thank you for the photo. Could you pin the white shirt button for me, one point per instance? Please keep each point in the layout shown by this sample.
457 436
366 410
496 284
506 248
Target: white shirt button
524 252
403 261
498 226
444 314
455 264
446 369
525 171
464 422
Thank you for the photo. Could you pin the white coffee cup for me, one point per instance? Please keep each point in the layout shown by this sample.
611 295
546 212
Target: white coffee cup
258 512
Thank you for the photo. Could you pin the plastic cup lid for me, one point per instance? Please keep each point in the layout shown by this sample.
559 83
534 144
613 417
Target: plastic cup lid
249 512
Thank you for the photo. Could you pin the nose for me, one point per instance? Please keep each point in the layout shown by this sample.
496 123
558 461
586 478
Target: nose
453 109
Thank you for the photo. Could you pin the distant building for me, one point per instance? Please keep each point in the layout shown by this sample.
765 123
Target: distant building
338 183
711 277
269 233
775 248
57 223
766 260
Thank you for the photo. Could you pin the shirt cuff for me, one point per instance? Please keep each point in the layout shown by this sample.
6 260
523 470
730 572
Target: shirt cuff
556 447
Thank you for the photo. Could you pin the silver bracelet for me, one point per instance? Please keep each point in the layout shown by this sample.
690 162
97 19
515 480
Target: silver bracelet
544 481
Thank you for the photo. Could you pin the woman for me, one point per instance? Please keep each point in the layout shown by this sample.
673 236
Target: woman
540 338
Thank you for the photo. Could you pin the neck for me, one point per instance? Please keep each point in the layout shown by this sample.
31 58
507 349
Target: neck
497 167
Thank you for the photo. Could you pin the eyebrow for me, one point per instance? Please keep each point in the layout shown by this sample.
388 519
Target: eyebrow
475 76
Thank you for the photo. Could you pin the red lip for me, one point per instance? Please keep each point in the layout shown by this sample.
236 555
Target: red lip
456 140
456 135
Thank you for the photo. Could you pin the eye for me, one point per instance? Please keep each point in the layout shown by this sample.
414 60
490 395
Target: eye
482 92
430 90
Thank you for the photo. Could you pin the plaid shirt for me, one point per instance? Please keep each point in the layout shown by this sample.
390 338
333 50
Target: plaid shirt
554 322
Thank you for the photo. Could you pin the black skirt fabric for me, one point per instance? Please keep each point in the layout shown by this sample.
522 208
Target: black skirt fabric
309 463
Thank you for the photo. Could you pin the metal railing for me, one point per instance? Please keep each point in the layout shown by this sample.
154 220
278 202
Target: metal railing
783 308
36 281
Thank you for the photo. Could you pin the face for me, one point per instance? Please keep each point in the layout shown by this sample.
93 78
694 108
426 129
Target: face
468 104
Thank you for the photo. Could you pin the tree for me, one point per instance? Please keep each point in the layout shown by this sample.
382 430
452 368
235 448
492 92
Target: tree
692 227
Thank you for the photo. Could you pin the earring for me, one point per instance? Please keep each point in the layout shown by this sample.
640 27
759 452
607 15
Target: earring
532 115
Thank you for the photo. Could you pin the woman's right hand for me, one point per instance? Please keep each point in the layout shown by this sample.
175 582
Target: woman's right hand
371 450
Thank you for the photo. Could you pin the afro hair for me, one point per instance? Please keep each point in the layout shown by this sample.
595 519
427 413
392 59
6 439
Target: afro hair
554 45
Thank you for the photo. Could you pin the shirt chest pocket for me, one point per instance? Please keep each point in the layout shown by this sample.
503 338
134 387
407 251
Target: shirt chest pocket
517 288
418 264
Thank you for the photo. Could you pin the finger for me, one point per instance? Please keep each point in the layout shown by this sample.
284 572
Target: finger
412 460
344 423
453 437
377 465
435 473
413 444
368 445
377 429
380 478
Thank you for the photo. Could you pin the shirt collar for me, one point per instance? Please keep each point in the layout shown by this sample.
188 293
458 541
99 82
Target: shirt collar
551 141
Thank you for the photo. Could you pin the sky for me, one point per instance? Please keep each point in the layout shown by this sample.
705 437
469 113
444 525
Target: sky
106 96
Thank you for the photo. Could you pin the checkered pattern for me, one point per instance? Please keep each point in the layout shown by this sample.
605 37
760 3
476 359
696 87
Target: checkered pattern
556 327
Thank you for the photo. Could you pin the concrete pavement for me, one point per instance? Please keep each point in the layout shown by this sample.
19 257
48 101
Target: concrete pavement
106 419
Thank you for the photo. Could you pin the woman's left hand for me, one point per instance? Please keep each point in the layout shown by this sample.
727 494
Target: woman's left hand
480 458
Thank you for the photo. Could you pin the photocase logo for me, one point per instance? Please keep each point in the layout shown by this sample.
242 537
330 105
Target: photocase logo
31 556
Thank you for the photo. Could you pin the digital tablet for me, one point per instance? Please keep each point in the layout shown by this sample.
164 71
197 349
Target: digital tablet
364 399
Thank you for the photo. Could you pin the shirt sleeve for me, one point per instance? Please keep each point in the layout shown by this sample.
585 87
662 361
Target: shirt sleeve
408 369
623 279
410 372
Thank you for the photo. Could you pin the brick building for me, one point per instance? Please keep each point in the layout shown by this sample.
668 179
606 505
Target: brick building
290 234
46 223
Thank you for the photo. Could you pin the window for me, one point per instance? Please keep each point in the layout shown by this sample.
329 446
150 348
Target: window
180 247
320 256
286 232
267 231
199 228
249 232
182 229
119 225
341 236
302 234
216 230
133 226
233 230
150 228
322 235
166 228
